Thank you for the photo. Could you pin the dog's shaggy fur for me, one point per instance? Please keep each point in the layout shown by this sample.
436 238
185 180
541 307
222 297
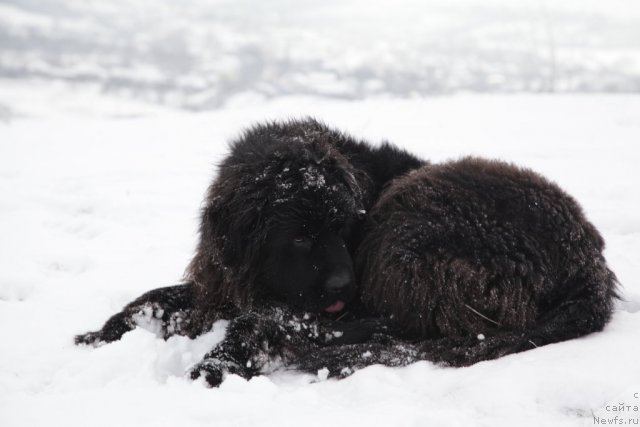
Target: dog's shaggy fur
478 247
456 263
477 259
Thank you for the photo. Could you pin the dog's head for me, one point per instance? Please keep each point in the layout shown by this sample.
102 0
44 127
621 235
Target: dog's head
277 222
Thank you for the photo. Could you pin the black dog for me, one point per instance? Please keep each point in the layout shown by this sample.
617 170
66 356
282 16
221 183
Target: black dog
471 260
278 230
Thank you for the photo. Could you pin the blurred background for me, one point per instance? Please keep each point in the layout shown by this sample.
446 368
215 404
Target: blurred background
206 54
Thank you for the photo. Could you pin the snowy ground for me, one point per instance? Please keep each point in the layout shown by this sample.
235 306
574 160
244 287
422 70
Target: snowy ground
99 203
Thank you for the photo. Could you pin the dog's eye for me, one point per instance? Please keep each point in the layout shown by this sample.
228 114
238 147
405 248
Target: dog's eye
302 242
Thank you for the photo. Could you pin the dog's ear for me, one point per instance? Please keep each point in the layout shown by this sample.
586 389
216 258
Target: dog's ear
232 224
227 261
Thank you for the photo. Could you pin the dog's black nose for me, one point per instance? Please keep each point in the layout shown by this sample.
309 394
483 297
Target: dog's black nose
336 283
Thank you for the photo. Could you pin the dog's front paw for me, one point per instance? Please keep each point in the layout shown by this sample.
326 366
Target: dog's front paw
93 339
214 371
213 374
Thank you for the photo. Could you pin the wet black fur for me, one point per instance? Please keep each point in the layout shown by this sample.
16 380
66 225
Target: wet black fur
470 260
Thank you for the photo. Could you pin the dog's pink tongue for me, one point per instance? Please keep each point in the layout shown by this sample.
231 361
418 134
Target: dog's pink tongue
335 307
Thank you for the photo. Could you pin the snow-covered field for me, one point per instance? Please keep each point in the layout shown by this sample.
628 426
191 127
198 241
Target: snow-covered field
99 203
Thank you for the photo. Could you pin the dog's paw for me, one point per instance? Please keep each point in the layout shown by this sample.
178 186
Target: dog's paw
213 371
213 376
93 339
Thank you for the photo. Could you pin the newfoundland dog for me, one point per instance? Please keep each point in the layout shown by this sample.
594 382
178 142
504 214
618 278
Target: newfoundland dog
453 263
